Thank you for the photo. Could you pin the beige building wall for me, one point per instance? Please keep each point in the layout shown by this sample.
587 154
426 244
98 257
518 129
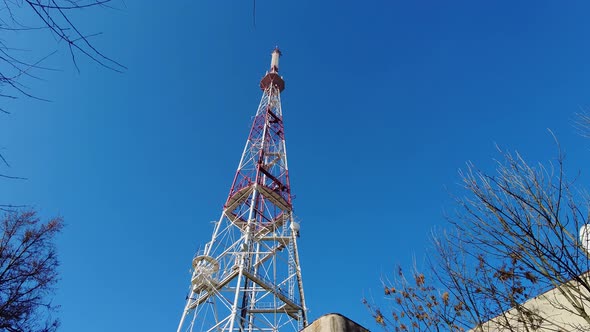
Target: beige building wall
550 312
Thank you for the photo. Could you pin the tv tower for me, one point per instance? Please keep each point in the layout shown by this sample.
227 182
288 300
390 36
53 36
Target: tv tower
248 277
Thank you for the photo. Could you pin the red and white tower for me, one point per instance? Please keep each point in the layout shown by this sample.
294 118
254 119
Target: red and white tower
248 277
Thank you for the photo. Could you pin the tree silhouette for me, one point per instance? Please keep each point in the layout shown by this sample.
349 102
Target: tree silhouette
28 272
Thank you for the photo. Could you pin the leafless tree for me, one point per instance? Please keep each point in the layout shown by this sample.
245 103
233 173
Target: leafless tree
56 20
28 261
514 237
28 272
22 17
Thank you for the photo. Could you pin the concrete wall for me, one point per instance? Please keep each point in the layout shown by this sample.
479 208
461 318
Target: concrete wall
550 312
334 323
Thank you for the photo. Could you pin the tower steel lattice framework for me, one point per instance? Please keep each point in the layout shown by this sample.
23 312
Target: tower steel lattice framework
248 277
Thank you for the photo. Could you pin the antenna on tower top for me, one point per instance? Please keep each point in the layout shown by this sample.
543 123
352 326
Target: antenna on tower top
274 62
272 77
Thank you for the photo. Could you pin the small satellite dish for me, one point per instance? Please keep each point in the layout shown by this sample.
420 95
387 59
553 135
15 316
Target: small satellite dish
295 227
585 237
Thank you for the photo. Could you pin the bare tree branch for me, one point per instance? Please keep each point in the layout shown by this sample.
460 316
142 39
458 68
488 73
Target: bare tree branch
28 272
512 260
55 16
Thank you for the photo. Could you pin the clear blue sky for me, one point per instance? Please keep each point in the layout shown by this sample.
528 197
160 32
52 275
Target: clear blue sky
385 102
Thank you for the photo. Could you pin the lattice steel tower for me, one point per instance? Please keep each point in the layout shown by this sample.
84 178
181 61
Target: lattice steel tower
248 276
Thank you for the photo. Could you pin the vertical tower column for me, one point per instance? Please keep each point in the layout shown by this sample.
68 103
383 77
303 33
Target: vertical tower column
248 277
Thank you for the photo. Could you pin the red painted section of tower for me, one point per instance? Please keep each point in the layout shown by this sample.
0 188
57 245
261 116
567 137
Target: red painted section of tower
263 164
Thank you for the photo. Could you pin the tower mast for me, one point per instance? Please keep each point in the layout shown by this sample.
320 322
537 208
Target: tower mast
248 277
